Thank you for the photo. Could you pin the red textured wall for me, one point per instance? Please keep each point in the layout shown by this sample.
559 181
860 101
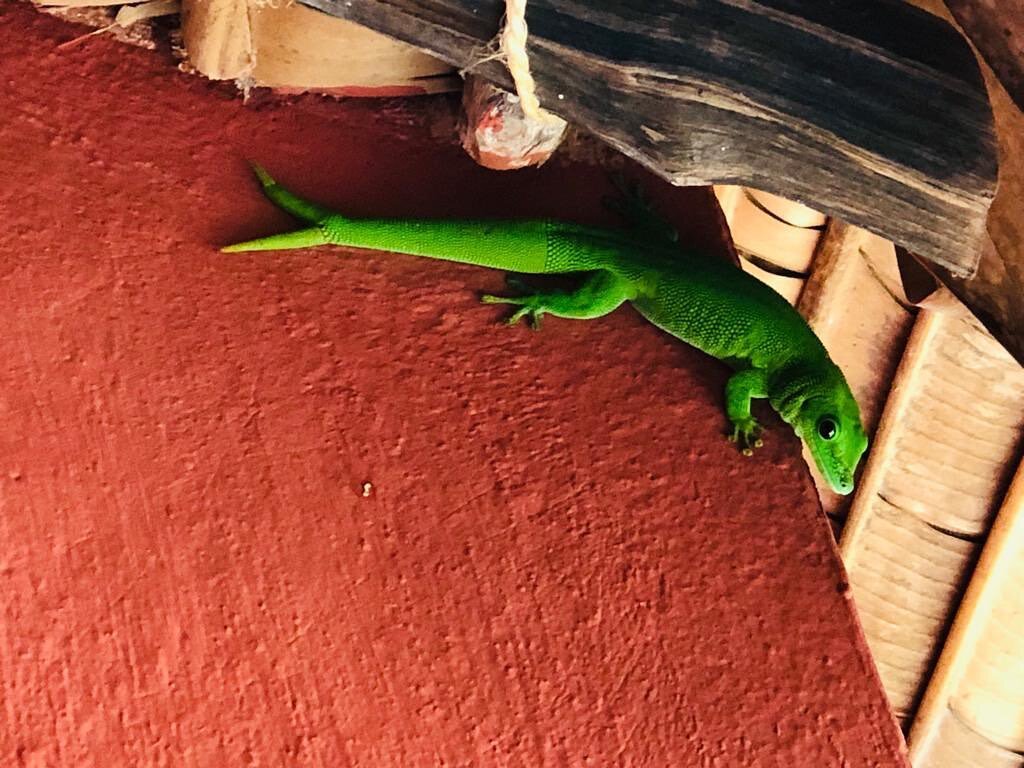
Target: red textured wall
557 561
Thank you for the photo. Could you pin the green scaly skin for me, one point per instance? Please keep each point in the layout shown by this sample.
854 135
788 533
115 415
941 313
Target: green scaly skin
705 302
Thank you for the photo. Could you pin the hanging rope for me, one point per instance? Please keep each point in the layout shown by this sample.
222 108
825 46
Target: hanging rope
513 45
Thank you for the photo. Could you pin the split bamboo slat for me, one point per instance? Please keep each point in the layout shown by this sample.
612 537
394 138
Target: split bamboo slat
951 427
973 711
956 746
854 301
288 46
774 238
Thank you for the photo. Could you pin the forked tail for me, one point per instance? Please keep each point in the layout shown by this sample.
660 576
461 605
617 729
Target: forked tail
297 207
518 246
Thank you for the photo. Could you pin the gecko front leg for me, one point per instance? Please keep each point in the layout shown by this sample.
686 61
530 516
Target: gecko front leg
739 391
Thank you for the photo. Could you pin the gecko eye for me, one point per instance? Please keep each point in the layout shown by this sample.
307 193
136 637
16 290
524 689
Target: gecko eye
827 428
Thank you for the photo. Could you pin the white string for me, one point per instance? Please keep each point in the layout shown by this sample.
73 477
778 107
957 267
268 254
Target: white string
513 45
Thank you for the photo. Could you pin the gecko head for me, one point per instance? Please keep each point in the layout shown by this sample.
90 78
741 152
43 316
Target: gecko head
828 422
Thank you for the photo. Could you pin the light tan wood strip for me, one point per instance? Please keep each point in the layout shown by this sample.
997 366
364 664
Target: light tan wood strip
956 746
217 37
905 577
772 250
766 235
980 674
787 287
952 448
728 198
796 214
295 47
990 696
292 47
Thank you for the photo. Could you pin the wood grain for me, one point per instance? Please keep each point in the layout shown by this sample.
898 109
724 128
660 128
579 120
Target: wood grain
872 111
217 37
296 48
762 228
954 444
990 698
995 292
498 134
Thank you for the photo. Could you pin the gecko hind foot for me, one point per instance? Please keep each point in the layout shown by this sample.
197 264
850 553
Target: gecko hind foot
528 308
600 293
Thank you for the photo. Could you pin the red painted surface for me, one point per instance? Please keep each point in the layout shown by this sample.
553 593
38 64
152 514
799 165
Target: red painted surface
558 560
360 91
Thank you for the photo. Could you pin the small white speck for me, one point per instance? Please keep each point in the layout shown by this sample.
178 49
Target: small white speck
367 489
561 97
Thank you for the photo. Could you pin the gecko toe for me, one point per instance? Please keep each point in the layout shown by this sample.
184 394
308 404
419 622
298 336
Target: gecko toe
746 436
518 315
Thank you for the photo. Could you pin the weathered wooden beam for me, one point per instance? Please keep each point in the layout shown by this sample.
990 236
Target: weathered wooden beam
994 293
870 110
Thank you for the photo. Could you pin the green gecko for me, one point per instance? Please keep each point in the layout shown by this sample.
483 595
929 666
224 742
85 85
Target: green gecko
705 302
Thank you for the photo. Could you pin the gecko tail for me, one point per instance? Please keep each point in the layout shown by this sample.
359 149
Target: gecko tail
301 238
288 201
298 207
